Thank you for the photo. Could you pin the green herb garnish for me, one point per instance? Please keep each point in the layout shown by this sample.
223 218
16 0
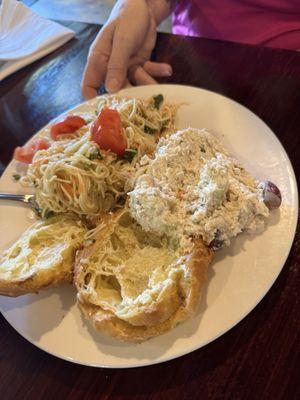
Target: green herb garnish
147 129
48 214
158 100
165 123
16 177
85 166
130 154
95 155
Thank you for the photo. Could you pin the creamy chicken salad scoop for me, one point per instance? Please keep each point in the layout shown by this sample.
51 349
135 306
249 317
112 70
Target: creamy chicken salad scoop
193 187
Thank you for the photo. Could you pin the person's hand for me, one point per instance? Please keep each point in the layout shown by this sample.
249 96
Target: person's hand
122 50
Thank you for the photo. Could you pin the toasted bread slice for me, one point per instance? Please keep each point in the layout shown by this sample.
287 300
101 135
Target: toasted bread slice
134 285
42 257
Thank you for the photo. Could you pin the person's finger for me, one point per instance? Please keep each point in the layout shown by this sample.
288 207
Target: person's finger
95 69
138 76
122 49
157 69
149 43
144 52
93 74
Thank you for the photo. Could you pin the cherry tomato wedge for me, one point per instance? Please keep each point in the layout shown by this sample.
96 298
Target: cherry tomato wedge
108 133
25 153
68 125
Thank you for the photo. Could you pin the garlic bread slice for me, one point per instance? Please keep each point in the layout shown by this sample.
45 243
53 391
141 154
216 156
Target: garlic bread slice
134 285
42 257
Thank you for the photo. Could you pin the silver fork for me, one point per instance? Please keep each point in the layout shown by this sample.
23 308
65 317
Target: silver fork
28 199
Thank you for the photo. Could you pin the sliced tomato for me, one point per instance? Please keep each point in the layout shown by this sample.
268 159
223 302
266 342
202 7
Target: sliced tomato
25 153
108 133
68 125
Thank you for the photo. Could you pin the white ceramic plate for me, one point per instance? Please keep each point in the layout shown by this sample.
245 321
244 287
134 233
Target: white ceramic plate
238 279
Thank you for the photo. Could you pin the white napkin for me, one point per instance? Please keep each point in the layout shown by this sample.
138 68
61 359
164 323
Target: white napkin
26 36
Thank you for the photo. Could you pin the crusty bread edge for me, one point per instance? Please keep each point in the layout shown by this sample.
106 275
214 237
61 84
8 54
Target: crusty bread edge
39 280
106 322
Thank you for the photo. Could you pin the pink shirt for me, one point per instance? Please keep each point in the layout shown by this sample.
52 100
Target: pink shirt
274 23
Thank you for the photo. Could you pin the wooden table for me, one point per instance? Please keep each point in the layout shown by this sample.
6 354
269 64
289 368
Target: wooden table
257 359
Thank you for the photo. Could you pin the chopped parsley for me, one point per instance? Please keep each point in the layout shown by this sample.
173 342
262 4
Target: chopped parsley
165 122
85 166
158 100
95 155
16 177
48 214
147 129
130 154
